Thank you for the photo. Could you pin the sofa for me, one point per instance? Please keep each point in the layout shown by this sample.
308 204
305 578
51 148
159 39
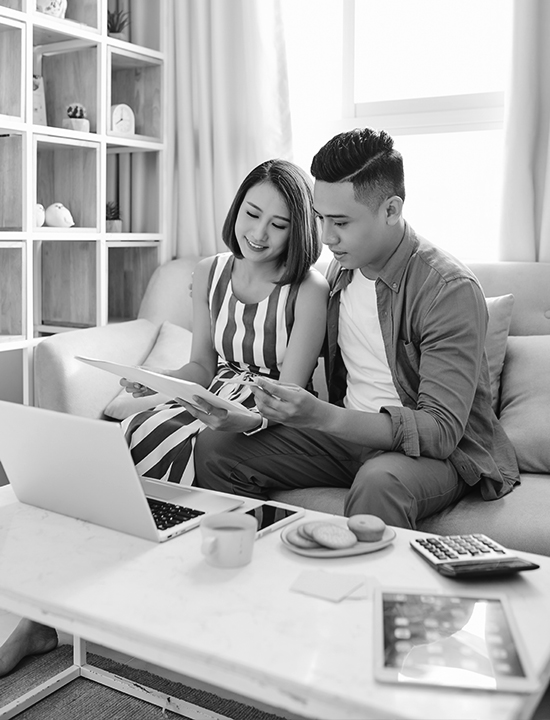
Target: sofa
518 348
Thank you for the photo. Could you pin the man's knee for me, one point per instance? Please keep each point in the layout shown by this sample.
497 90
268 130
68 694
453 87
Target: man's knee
378 489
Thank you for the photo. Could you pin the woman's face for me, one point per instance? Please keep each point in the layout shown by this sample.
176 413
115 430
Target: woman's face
262 227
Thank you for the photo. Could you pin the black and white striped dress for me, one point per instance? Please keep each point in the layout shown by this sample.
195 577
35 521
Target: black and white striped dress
250 339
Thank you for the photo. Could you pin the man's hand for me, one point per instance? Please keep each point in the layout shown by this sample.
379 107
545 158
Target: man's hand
287 404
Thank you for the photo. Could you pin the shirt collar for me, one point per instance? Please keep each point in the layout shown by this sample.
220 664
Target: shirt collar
392 272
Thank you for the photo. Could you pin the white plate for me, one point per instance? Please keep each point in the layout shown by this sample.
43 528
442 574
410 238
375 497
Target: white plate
360 548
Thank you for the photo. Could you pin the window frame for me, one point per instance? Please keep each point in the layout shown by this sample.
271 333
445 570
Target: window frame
451 113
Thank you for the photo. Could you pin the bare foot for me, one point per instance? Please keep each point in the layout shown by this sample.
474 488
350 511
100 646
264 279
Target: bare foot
28 638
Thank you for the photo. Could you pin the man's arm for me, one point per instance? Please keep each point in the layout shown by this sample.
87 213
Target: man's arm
447 364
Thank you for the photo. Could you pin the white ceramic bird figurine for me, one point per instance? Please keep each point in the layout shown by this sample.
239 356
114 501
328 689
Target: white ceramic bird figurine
39 215
57 215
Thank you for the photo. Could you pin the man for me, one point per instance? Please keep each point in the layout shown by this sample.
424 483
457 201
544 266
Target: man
409 426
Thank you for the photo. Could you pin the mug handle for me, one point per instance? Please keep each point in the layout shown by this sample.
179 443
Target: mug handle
208 545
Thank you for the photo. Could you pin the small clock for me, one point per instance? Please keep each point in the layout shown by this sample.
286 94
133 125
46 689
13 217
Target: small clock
123 121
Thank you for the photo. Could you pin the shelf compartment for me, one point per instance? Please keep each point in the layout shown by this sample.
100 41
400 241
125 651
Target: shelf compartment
68 174
70 73
133 179
144 26
11 292
11 62
136 80
11 181
130 269
85 12
68 283
12 4
79 14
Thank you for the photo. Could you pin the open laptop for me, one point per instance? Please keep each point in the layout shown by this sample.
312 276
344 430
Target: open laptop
82 468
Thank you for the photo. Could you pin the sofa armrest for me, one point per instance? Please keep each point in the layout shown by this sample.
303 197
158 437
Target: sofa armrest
65 384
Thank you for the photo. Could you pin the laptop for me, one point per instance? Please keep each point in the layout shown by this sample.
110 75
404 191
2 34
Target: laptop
82 468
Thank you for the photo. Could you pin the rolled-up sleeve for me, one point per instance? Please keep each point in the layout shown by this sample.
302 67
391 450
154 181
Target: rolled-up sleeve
436 366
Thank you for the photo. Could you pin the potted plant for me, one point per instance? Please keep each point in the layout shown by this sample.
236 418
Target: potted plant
117 21
112 214
76 119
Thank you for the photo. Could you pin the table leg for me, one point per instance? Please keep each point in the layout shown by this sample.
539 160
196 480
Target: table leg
81 668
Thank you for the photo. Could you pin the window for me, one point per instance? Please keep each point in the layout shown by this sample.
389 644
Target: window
433 74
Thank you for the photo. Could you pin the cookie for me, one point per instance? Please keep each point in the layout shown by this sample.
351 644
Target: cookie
332 536
367 528
305 529
294 538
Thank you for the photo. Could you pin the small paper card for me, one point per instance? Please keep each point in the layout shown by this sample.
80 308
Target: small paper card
330 586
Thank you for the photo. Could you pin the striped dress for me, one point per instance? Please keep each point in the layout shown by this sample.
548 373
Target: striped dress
250 339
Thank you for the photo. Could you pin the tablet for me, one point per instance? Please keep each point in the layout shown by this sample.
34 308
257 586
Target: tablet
450 640
165 384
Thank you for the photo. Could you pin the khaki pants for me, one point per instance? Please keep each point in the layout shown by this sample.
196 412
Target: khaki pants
399 489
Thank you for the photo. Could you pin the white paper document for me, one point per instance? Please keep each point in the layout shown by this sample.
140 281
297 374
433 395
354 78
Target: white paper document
170 386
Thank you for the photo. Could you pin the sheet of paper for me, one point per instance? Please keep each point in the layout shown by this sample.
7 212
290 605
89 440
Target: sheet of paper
331 586
170 386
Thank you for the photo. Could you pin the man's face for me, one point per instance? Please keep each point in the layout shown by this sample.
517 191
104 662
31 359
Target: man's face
356 235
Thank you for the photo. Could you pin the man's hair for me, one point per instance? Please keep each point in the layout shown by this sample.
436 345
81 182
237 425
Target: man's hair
367 159
304 245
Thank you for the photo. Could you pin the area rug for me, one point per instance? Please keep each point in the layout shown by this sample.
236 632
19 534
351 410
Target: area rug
83 699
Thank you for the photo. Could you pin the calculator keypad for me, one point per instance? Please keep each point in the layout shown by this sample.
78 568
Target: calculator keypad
459 548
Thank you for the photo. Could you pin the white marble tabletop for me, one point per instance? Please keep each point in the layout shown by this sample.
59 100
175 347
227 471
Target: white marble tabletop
244 629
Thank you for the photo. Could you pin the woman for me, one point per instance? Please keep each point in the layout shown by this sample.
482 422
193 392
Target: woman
259 309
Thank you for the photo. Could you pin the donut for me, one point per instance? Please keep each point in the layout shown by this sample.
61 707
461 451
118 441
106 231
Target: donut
366 528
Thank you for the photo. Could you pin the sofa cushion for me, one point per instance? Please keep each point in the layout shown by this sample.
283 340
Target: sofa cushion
170 351
500 315
525 400
515 521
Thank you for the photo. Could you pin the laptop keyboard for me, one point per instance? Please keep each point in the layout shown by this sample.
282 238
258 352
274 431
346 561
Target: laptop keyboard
166 514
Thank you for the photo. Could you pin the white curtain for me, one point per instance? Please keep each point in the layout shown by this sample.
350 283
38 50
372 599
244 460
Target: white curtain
228 110
525 221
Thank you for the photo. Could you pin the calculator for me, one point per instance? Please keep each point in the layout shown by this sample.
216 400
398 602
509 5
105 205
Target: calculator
464 556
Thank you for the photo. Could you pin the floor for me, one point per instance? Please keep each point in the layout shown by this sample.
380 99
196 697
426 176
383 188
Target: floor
9 621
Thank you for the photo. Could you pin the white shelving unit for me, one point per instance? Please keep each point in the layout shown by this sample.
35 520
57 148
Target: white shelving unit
54 279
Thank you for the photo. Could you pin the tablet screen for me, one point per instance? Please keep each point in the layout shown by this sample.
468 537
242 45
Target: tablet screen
449 640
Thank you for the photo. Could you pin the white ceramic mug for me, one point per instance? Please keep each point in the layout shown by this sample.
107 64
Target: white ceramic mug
228 539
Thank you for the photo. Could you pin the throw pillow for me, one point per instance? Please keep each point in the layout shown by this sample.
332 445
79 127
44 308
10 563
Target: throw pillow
500 315
525 400
170 351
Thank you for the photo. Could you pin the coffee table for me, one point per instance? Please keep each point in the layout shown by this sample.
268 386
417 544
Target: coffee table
241 630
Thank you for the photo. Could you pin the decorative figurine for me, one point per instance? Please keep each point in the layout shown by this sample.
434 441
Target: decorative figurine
39 215
77 119
57 215
56 8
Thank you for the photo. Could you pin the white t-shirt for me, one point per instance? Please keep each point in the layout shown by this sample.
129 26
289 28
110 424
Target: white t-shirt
369 381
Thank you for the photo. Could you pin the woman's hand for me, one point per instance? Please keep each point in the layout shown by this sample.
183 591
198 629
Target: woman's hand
216 418
136 389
